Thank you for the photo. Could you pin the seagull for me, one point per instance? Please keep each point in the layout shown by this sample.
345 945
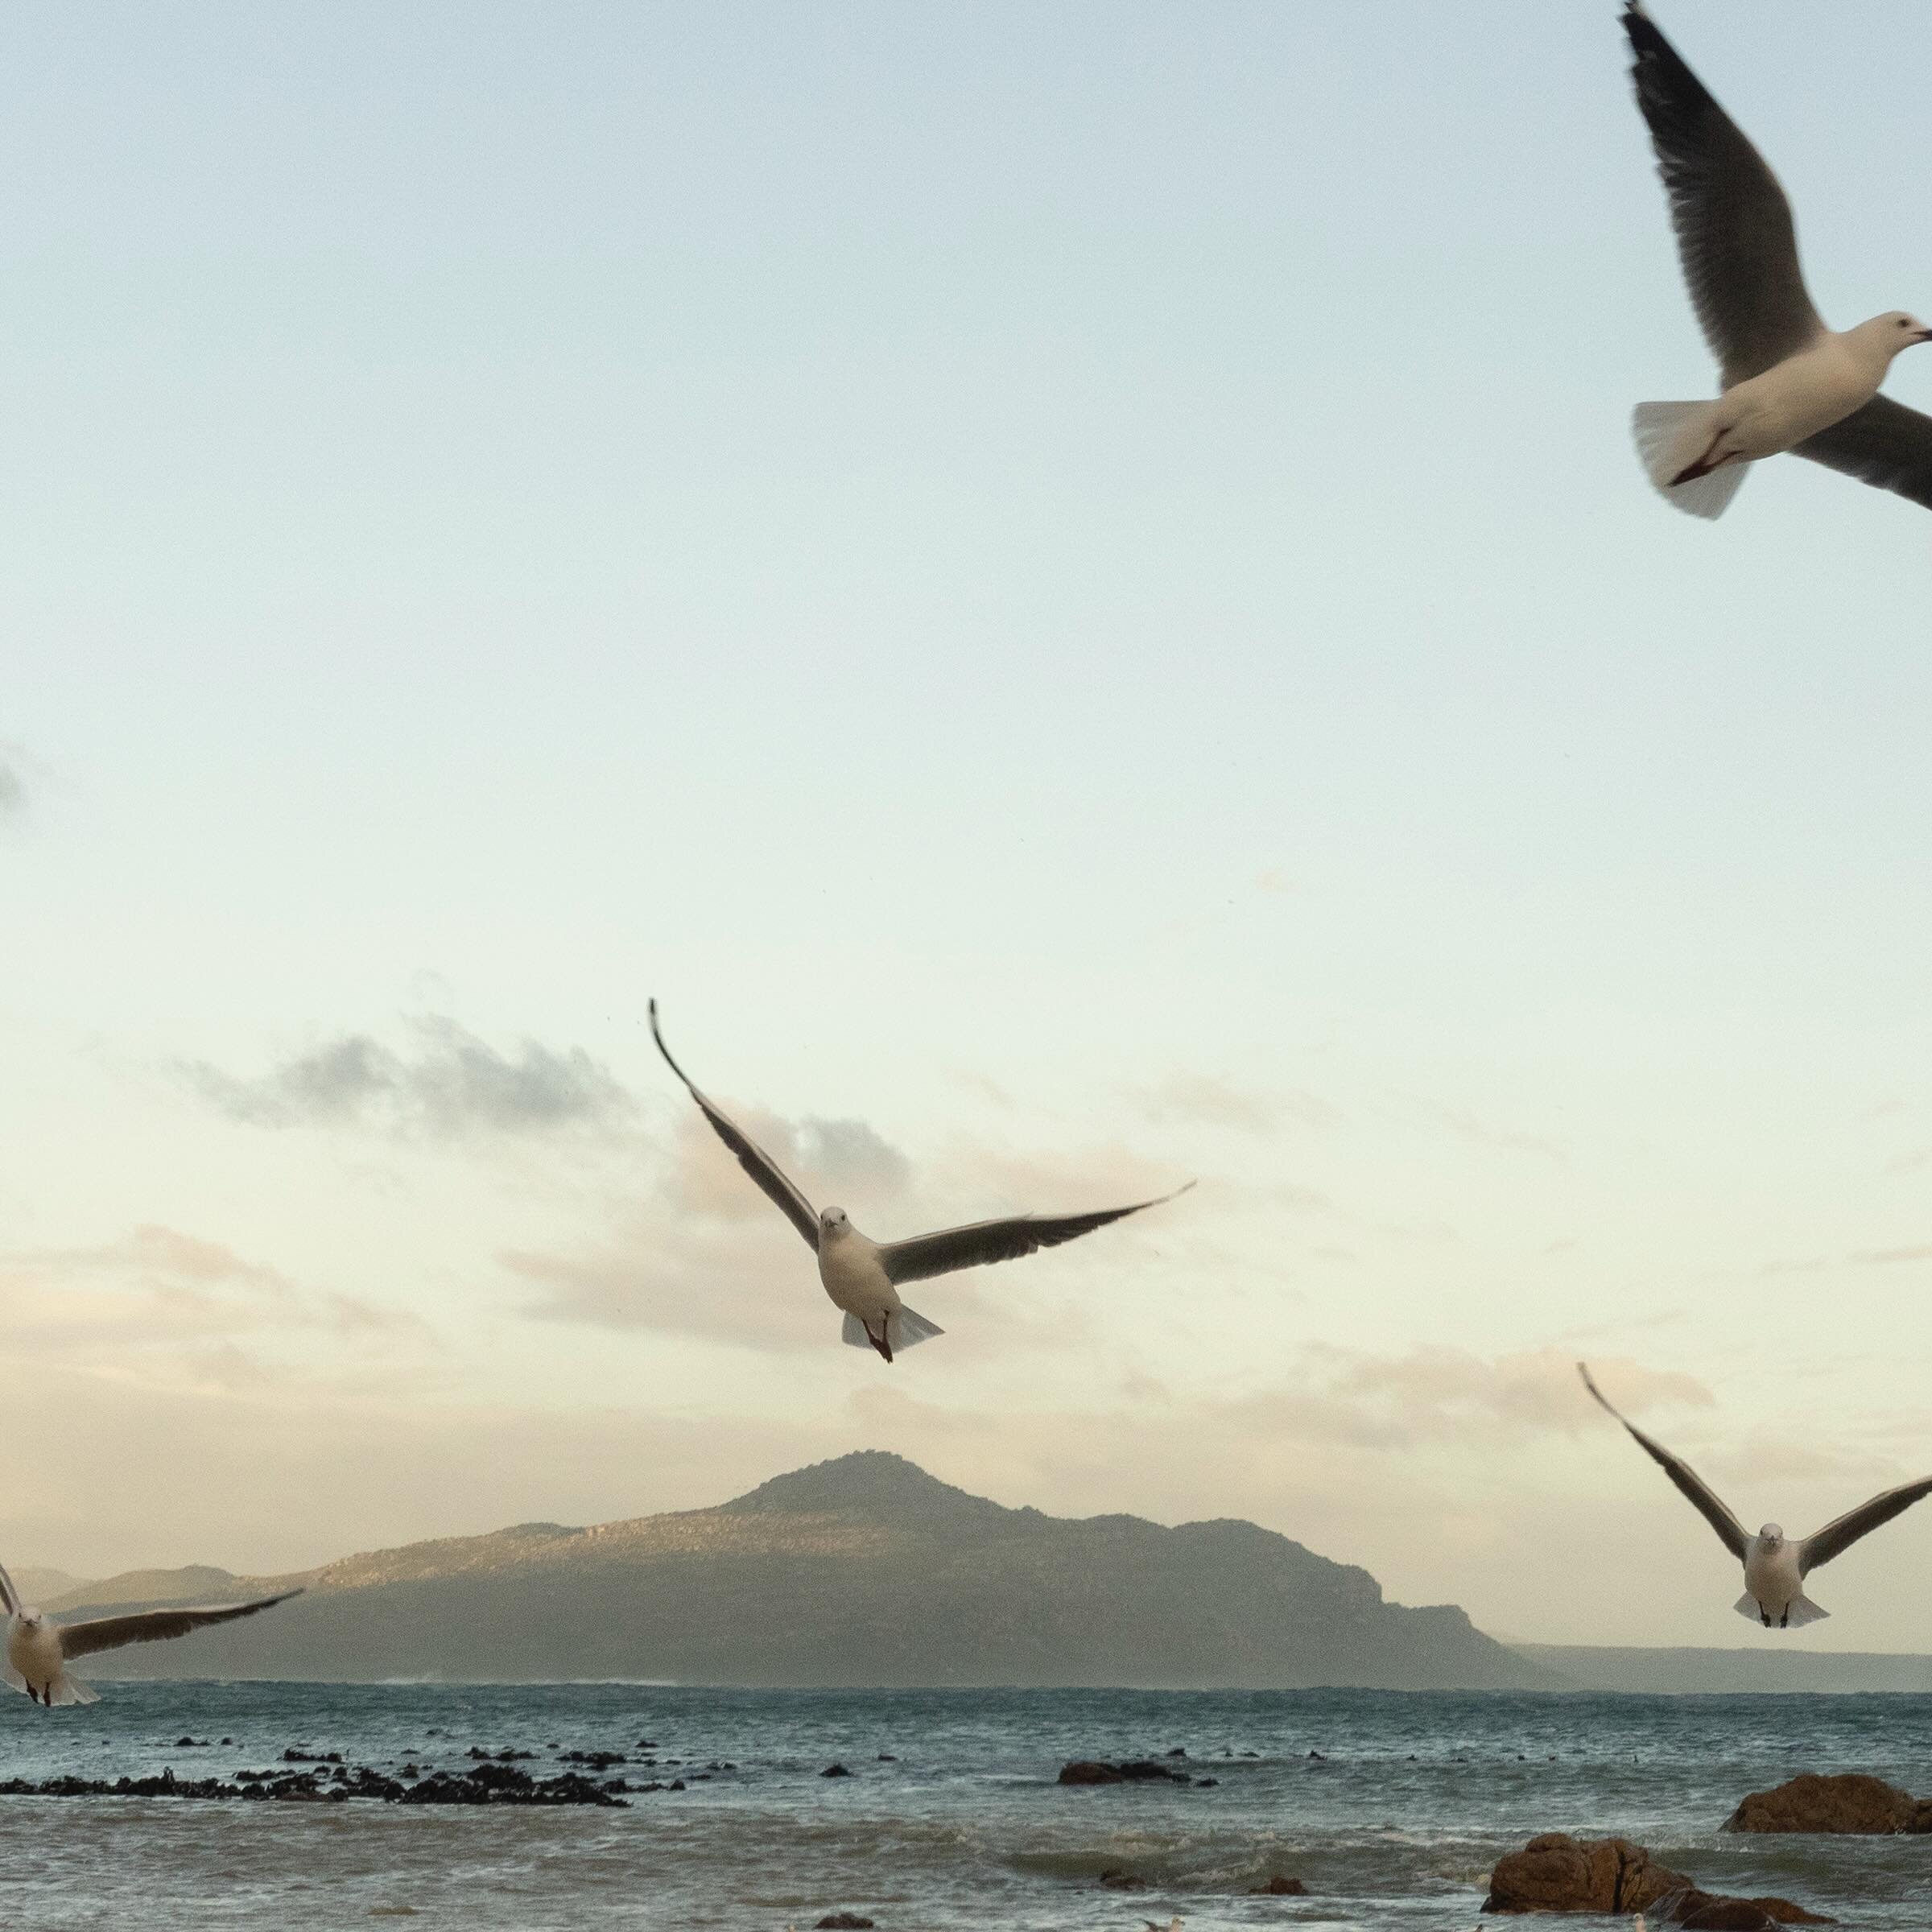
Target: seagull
1775 1565
862 1277
37 1652
1789 382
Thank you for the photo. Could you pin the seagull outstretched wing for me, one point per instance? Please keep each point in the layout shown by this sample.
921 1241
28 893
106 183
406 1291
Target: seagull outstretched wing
979 1242
1885 445
150 1626
1702 1497
1734 235
1838 1536
777 1186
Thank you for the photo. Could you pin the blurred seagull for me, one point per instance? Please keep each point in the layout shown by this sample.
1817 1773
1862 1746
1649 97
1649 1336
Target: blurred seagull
1775 1565
863 1277
37 1652
1789 382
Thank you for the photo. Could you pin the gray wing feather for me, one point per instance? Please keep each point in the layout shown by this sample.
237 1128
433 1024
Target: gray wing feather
770 1177
1838 1537
980 1242
1734 235
1885 445
1699 1493
10 1597
150 1626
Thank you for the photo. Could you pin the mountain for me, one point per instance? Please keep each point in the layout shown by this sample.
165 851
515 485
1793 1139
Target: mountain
46 1587
1668 1672
860 1571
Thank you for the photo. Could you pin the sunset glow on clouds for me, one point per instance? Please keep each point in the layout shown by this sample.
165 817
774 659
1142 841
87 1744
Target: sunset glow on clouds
900 560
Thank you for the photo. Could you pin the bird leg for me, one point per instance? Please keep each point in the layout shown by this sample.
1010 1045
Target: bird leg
1703 466
882 1341
1764 1616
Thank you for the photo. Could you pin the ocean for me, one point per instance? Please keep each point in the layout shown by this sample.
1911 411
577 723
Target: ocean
951 1816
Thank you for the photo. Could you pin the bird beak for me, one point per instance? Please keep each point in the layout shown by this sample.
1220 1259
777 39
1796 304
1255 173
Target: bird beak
1925 334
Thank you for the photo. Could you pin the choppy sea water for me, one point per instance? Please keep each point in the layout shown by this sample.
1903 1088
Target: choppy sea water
1393 1827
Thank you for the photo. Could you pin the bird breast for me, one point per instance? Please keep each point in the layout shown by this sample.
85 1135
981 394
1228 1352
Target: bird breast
1771 1576
35 1652
1802 394
854 1276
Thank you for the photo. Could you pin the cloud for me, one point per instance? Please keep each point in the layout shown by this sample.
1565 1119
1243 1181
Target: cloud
1203 1100
449 1083
756 1289
13 792
157 1301
1885 1257
842 1161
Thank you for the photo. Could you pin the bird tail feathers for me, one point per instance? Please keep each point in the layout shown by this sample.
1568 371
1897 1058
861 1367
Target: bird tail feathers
1670 437
909 1325
13 1678
1799 1611
70 1691
853 1333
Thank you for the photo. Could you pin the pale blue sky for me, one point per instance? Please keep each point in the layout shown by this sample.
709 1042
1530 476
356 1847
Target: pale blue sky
1068 583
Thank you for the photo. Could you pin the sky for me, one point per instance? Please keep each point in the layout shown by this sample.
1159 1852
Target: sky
1069 589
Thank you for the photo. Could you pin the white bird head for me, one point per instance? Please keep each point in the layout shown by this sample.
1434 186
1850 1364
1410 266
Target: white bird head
1885 335
1771 1535
833 1220
28 1616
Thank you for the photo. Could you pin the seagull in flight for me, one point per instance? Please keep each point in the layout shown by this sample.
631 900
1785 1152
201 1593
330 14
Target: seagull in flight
1789 382
863 1277
1775 1565
37 1652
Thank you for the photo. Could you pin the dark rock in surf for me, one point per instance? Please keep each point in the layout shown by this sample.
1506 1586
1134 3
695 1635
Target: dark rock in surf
1699 1911
1558 1873
1133 1771
1279 1885
1610 1876
1848 1803
835 1771
843 1922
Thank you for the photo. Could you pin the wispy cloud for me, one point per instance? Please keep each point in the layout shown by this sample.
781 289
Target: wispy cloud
158 1296
13 788
445 1083
1205 1100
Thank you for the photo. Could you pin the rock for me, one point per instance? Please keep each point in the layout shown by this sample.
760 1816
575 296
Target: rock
1848 1802
843 1922
886 1757
1177 1752
1118 1879
1134 1771
1280 1885
1202 1784
835 1771
1558 1873
1696 1910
